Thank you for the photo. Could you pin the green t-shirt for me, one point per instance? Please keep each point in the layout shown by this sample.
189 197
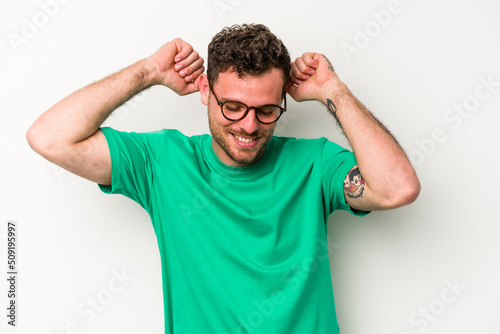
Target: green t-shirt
243 249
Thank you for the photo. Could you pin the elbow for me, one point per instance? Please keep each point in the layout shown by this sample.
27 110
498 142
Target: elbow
40 142
35 139
31 137
406 194
411 193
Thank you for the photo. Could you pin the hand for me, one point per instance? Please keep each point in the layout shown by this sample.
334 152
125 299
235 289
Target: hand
312 77
178 67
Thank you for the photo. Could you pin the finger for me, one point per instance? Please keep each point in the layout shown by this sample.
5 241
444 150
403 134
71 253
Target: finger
195 75
294 80
303 64
292 91
300 70
192 59
183 50
294 71
193 85
191 68
311 59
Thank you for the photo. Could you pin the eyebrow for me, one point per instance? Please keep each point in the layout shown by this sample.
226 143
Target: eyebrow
222 100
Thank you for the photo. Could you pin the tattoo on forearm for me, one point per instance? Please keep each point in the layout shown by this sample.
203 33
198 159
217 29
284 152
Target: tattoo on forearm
330 66
354 184
333 109
331 106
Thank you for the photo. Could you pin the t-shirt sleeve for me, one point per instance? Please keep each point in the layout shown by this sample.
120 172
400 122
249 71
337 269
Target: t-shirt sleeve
337 162
133 157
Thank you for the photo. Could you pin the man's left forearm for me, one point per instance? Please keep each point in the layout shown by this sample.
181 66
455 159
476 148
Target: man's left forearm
384 177
382 162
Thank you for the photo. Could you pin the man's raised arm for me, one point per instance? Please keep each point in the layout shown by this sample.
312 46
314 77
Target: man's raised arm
68 133
384 177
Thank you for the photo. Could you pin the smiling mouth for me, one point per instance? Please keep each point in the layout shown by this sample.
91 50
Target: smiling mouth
244 140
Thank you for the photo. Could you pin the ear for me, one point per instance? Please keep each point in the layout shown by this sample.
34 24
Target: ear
204 89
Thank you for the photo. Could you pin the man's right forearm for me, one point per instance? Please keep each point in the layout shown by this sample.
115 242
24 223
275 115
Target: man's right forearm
79 115
68 133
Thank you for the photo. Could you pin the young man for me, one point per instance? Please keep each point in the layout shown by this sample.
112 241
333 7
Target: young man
241 215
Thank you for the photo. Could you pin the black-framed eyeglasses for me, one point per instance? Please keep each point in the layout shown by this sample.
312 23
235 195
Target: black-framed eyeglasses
236 111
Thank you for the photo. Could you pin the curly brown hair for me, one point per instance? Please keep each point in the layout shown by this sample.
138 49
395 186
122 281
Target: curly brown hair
248 49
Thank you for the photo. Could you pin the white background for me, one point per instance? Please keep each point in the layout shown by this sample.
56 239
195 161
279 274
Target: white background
392 270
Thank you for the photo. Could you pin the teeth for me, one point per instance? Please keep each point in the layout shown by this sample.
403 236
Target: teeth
245 140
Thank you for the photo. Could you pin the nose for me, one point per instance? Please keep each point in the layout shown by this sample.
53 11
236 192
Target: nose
250 123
